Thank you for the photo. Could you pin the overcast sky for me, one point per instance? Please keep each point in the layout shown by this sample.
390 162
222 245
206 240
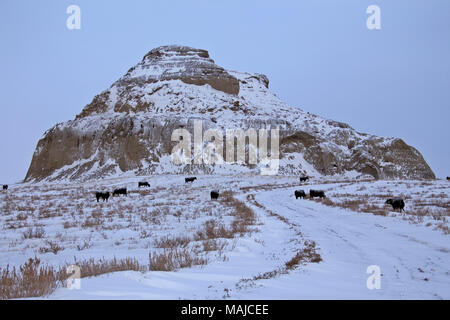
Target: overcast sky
318 55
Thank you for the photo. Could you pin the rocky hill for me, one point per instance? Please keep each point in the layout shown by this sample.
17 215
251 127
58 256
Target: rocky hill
128 127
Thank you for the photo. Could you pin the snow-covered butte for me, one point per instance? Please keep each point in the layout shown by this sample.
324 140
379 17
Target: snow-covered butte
128 127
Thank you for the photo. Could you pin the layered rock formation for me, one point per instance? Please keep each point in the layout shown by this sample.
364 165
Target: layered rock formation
128 127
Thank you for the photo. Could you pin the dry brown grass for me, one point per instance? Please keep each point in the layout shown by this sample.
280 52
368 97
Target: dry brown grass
91 223
307 254
29 280
243 215
166 242
269 274
93 268
173 259
52 247
355 204
327 202
22 216
213 245
444 228
83 246
31 233
213 230
69 224
35 280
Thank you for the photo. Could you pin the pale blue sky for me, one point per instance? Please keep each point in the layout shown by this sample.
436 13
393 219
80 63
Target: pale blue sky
318 55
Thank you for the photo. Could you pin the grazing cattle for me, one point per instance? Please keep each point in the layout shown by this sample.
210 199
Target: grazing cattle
120 191
300 194
448 178
5 187
143 184
190 179
102 195
303 179
316 193
396 203
214 195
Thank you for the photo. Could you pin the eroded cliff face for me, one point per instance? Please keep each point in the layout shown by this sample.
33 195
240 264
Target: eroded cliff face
128 127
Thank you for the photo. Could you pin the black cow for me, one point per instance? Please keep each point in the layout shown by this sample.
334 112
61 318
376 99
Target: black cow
303 179
5 187
300 194
120 191
316 193
143 184
190 179
448 178
396 203
102 195
214 195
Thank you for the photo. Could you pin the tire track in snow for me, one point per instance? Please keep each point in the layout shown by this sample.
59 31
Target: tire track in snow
355 241
305 252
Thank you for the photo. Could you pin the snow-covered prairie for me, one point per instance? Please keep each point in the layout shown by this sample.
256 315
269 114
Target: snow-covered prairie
271 255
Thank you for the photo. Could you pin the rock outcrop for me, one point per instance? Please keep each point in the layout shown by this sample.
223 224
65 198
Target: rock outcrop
128 127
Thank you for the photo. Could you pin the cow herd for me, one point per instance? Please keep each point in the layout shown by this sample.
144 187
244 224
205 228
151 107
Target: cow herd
118 192
312 194
105 195
123 191
396 203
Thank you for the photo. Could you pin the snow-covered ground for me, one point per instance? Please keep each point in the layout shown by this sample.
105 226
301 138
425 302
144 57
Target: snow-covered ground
412 248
